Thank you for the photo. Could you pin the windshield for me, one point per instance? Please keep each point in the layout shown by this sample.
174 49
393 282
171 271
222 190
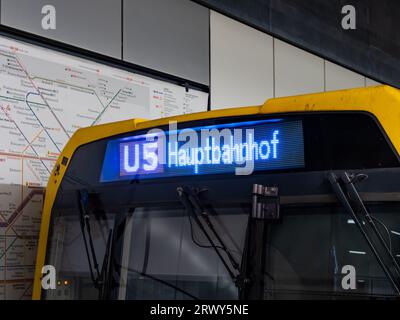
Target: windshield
165 244
67 254
163 255
306 254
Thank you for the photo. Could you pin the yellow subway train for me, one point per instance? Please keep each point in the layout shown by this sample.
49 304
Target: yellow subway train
298 198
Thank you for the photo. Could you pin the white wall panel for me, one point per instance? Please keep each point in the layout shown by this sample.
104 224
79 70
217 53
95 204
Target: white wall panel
338 78
168 35
297 71
241 64
371 83
90 24
248 67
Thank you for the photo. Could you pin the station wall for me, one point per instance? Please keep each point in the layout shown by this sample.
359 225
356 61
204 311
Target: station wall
242 65
249 66
166 35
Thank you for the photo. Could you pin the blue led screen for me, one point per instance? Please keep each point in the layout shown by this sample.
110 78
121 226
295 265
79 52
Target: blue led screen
235 148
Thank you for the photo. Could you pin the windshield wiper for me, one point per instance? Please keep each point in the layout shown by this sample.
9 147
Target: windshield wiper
166 283
189 198
104 280
348 195
248 277
100 279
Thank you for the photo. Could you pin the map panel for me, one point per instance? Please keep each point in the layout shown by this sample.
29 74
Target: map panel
45 96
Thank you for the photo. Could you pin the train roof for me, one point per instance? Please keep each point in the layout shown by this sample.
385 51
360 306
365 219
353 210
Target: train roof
381 101
376 100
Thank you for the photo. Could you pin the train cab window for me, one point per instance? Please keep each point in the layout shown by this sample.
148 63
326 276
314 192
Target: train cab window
306 254
165 256
67 252
161 254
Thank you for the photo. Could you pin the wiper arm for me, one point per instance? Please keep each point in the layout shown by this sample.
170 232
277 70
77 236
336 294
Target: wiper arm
105 269
85 228
166 283
371 220
189 198
98 279
351 196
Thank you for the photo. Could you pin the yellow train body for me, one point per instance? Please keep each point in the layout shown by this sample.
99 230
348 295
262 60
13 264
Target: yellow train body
383 102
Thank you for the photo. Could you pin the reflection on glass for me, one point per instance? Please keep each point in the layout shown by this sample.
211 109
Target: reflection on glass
305 255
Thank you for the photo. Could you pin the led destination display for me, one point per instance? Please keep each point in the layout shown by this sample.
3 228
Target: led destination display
238 148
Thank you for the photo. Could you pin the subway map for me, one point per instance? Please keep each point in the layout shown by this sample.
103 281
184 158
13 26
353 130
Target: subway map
45 96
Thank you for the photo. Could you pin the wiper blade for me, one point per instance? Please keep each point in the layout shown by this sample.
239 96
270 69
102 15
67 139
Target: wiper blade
85 229
104 280
98 279
371 220
351 196
189 198
166 283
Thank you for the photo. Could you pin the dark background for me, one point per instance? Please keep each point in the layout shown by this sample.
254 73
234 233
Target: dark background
373 49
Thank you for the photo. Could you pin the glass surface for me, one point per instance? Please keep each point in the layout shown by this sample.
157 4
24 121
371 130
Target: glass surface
305 254
67 254
158 253
159 243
